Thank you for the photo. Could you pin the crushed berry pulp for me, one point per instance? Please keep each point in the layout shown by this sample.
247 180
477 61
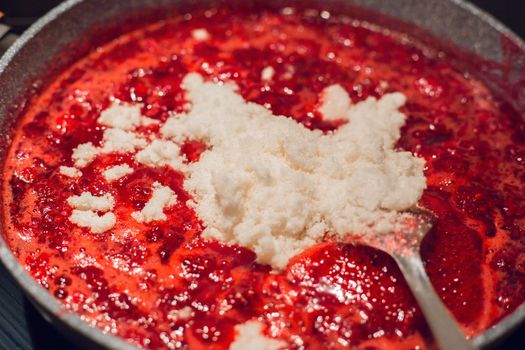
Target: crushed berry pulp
134 279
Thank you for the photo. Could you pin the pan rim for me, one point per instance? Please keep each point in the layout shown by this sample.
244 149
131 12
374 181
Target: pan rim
37 294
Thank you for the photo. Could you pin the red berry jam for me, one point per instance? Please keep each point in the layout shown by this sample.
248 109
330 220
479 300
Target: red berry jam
133 279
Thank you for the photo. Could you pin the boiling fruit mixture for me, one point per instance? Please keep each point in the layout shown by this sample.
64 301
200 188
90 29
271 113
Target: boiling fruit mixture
99 208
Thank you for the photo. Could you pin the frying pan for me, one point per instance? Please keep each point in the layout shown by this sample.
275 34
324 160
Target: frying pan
59 37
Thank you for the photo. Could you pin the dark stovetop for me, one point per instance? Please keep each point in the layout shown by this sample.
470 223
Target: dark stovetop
21 326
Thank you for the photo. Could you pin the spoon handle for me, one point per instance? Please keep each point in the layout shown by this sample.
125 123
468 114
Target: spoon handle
444 328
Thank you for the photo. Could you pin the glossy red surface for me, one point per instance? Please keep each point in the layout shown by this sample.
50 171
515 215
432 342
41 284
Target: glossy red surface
132 280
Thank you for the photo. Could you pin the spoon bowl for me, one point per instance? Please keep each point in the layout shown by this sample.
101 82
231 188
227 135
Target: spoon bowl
404 246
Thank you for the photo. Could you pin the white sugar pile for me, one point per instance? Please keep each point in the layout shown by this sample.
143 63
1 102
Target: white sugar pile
268 183
272 185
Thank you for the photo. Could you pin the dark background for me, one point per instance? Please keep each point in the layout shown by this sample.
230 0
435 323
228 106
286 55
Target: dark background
510 12
21 327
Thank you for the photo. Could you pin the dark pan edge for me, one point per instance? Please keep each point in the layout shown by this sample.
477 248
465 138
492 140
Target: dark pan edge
51 308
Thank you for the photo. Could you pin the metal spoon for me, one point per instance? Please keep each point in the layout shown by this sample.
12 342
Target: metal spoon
404 246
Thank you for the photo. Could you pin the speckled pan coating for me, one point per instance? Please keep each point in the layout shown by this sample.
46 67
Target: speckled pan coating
37 50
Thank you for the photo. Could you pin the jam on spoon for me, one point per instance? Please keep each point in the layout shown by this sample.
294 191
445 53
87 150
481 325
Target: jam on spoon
404 247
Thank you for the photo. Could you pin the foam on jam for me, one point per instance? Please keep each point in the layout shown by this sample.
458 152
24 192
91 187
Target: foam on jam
140 285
